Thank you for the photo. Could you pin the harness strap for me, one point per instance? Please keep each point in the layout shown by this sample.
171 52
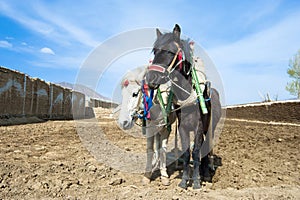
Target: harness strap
139 100
165 110
162 105
175 57
147 100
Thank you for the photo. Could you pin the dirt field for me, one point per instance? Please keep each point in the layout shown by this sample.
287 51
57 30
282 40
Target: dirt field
49 161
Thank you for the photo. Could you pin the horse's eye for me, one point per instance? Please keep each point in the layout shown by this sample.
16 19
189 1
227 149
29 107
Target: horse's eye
135 94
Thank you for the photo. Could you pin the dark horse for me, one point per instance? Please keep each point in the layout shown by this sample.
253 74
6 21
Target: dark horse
172 62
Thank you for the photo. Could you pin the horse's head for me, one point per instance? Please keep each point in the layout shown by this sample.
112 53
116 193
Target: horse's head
131 99
170 54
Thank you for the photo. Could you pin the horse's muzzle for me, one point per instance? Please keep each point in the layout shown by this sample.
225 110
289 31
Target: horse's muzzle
125 125
154 79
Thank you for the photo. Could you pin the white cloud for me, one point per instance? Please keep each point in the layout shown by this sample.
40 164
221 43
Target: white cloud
274 44
47 50
5 44
61 25
9 38
256 12
258 62
58 28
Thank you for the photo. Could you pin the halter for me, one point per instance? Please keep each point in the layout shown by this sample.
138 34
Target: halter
178 55
125 83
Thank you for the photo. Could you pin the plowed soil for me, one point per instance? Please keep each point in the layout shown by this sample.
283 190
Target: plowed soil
48 160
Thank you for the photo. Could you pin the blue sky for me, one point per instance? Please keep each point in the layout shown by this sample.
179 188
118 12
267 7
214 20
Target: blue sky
250 42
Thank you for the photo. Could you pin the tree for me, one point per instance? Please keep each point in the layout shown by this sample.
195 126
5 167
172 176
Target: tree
294 72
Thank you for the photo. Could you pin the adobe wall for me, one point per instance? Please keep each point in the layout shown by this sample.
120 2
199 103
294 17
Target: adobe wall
23 96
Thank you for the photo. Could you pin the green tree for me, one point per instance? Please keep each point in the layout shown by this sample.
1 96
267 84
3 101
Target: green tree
294 72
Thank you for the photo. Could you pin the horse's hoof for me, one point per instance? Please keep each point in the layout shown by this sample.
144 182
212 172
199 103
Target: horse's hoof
183 184
207 179
165 181
197 185
145 180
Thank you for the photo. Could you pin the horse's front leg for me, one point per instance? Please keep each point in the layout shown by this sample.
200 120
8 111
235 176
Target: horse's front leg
196 160
164 135
150 153
185 142
186 168
196 172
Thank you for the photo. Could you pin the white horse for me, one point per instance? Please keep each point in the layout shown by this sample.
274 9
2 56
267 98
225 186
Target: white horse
132 104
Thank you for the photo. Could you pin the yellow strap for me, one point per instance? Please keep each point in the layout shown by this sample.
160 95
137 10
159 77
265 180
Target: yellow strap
174 59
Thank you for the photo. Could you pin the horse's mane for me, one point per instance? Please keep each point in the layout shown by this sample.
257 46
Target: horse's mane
187 50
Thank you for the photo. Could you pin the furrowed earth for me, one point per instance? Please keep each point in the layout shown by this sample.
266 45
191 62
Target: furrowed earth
49 160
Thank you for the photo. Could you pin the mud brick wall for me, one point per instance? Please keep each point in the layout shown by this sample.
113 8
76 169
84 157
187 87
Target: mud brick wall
12 92
17 94
288 111
67 103
41 99
78 105
56 101
29 96
23 96
104 104
6 83
95 103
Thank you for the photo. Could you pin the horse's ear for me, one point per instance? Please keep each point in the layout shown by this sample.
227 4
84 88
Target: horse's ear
177 31
158 33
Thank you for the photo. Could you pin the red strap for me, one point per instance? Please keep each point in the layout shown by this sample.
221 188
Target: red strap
146 89
180 59
156 68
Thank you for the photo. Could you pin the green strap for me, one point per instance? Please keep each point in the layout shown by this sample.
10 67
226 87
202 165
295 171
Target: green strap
162 105
165 110
169 106
198 90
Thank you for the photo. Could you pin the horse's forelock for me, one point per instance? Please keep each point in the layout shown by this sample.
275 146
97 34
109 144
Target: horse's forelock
167 38
163 40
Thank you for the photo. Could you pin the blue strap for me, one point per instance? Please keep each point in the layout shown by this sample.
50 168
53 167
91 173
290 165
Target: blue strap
147 101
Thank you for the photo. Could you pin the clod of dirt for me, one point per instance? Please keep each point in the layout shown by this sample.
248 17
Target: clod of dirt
116 181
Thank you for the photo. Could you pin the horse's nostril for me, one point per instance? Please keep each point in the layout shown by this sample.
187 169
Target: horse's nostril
126 125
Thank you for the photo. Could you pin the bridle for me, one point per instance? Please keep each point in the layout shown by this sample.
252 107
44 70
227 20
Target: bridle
138 112
179 55
169 69
137 94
